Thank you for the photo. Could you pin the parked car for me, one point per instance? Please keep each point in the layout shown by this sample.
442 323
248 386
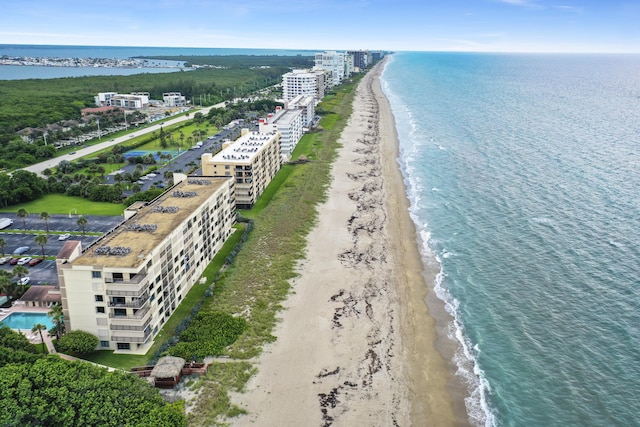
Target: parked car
21 250
24 280
64 236
5 260
35 261
13 261
24 260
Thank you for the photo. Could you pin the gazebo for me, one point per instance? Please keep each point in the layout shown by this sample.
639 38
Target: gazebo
167 372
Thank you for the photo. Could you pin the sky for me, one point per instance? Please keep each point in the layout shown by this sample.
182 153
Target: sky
396 25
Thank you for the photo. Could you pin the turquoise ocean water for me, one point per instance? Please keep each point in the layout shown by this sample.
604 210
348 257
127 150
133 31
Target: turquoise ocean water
523 172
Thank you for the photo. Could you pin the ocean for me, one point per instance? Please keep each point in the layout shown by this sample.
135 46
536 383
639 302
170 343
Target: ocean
19 72
523 173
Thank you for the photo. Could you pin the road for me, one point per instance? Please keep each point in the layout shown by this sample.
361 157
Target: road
81 152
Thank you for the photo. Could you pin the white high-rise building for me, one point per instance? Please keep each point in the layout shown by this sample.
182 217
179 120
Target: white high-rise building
306 82
307 105
333 61
289 124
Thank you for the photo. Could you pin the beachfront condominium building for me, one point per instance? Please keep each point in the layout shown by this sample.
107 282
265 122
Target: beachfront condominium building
307 105
314 83
361 58
125 286
349 68
252 160
287 122
333 61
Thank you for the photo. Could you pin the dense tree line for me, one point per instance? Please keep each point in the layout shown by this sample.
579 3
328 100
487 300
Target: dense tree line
38 102
21 186
38 390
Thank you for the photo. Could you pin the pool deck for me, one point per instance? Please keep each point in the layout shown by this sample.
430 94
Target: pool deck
19 307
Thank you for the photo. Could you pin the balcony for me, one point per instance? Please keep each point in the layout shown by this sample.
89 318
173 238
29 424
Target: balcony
144 338
129 317
127 288
133 328
134 303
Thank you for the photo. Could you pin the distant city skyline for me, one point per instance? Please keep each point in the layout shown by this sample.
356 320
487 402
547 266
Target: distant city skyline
401 25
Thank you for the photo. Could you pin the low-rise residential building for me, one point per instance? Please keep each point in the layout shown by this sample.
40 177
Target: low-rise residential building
103 99
289 123
134 101
252 160
127 284
174 99
307 105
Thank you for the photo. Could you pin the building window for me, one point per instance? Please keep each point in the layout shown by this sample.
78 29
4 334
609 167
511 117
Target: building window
96 275
104 344
124 346
99 309
120 312
99 298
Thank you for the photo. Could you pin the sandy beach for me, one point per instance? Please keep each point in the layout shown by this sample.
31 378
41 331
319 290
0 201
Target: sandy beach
356 345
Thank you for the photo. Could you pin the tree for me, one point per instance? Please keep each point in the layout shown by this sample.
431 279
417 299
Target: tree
20 271
22 213
82 223
3 244
41 239
51 391
39 327
111 159
57 318
45 217
78 342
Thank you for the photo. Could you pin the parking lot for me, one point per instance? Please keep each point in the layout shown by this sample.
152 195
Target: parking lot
45 272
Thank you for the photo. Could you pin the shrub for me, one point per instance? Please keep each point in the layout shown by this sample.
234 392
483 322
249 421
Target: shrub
78 342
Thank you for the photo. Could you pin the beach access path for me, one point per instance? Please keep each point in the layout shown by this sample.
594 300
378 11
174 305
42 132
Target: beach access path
356 345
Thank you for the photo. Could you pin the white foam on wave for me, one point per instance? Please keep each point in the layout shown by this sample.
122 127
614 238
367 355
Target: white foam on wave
478 410
544 221
465 358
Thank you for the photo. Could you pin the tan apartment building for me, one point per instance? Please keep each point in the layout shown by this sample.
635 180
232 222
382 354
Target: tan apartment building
252 160
125 286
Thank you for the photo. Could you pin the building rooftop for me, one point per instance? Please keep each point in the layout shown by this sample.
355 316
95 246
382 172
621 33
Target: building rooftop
132 241
244 149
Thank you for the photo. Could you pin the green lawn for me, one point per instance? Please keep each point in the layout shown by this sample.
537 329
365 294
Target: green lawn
61 204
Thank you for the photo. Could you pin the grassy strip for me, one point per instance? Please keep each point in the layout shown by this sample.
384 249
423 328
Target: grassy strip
62 204
258 281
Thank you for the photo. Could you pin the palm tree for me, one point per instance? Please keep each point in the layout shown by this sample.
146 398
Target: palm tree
57 318
20 271
22 213
39 327
82 223
45 217
111 160
41 239
3 244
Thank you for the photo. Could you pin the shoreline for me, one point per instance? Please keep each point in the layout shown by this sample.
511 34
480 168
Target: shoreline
356 344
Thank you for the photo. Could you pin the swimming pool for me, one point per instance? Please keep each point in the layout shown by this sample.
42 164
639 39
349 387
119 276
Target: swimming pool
22 320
